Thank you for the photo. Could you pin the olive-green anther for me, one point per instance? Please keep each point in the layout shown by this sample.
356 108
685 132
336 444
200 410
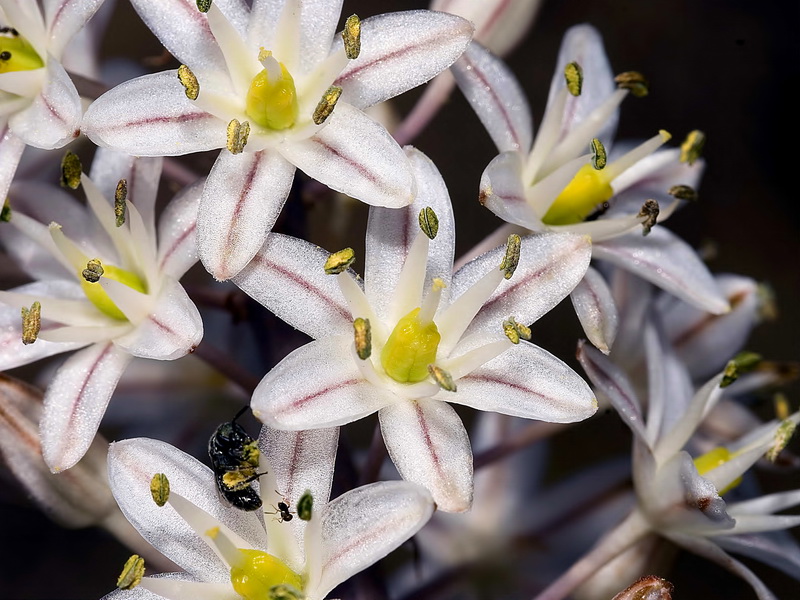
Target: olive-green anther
511 258
237 136
71 170
742 363
326 104
516 331
442 378
159 489
132 573
31 322
305 506
351 35
683 192
120 195
634 82
93 271
189 81
339 262
692 146
5 212
574 76
203 5
649 213
599 156
363 338
429 222
783 434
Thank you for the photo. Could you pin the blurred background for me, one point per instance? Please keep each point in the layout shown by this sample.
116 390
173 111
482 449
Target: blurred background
725 67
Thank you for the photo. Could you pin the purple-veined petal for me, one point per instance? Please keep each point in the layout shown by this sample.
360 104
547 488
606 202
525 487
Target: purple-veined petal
429 445
355 155
54 116
400 51
777 549
596 310
177 232
550 266
502 191
365 524
526 381
11 147
172 329
496 96
611 382
667 261
64 18
391 231
76 400
288 278
131 466
318 385
151 116
242 198
633 297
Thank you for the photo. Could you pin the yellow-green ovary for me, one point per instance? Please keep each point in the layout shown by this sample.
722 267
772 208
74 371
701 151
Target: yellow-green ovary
19 55
272 104
258 572
713 459
98 296
578 200
411 347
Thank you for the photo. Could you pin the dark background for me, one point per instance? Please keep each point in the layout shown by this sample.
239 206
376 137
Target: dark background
728 68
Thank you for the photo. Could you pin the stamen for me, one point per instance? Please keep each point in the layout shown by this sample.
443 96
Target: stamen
429 222
442 378
683 192
431 302
516 331
634 82
340 261
363 338
781 406
692 146
641 151
188 79
237 136
649 213
71 170
132 573
574 76
351 35
159 489
305 506
511 259
599 156
783 434
326 104
5 212
203 5
120 195
93 271
742 363
31 322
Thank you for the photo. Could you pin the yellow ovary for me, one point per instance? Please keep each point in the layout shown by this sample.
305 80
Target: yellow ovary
99 297
258 572
588 189
16 54
411 347
713 459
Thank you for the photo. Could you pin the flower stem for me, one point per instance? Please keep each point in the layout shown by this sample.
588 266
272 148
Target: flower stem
375 457
536 431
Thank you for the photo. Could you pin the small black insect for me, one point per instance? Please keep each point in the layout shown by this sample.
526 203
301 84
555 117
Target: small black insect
283 509
234 459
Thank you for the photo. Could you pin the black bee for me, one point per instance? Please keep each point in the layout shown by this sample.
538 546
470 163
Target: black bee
234 460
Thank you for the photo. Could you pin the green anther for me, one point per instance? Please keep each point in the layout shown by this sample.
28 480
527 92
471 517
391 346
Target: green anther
516 331
285 592
272 97
31 322
257 573
16 53
588 189
574 76
443 379
237 136
742 363
203 5
132 573
363 338
692 146
340 261
599 156
5 212
97 295
767 303
649 214
511 258
634 82
781 406
189 81
305 506
713 459
120 195
94 271
411 347
783 434
429 222
71 170
351 35
159 489
683 192
326 104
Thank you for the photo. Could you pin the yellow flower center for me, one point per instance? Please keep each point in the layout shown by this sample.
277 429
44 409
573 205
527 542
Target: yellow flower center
411 347
272 98
713 459
589 188
16 54
98 296
258 572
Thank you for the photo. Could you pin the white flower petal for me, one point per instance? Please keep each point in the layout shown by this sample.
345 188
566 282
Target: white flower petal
502 191
288 278
667 261
171 330
316 27
54 117
776 549
151 116
13 353
177 232
355 155
596 310
11 147
429 445
131 466
768 504
178 588
65 18
763 523
317 386
496 96
27 18
400 51
526 381
76 400
363 525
